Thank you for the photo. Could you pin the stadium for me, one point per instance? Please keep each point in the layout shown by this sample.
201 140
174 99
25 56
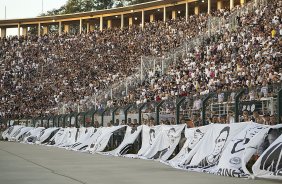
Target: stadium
194 85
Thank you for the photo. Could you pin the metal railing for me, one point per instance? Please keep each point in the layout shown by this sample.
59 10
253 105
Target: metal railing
216 107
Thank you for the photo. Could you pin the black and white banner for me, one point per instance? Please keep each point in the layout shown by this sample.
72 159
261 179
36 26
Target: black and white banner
46 135
221 149
130 137
103 138
239 151
31 136
269 164
193 137
159 142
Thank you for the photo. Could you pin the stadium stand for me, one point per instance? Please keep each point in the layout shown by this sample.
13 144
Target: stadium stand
39 75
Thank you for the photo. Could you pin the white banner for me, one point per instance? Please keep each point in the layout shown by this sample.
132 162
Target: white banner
269 164
130 136
159 142
10 131
19 133
206 154
101 142
221 149
46 135
31 136
193 137
239 151
84 135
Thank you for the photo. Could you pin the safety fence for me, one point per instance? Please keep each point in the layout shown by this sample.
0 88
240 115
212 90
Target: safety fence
263 102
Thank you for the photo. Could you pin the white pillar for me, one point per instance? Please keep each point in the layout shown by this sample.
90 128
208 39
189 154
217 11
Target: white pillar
173 15
130 21
164 19
196 10
39 30
24 33
209 6
143 19
109 24
87 27
45 30
19 30
80 26
121 21
3 32
231 4
92 27
66 28
101 23
152 18
141 68
219 4
242 2
126 87
60 28
187 11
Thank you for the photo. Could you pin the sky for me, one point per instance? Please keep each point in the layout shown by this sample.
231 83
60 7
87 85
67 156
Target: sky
26 9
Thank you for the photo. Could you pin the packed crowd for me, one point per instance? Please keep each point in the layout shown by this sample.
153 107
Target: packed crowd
40 73
248 57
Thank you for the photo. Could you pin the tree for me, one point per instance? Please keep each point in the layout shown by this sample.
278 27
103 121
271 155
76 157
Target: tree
138 1
73 6
102 4
76 6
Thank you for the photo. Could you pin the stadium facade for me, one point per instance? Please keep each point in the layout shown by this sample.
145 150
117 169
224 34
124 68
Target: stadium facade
118 17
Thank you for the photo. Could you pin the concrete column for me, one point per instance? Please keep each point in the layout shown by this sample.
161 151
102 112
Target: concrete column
219 4
196 10
39 30
24 33
66 28
242 2
101 23
109 24
130 21
121 21
19 30
164 19
45 30
92 27
187 11
231 4
143 19
173 15
80 25
209 6
60 27
87 27
152 18
3 32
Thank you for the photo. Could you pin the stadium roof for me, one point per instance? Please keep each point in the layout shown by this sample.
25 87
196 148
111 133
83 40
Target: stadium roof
93 14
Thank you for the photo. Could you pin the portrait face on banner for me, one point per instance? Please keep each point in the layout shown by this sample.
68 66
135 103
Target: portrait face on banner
220 142
198 135
152 134
171 135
